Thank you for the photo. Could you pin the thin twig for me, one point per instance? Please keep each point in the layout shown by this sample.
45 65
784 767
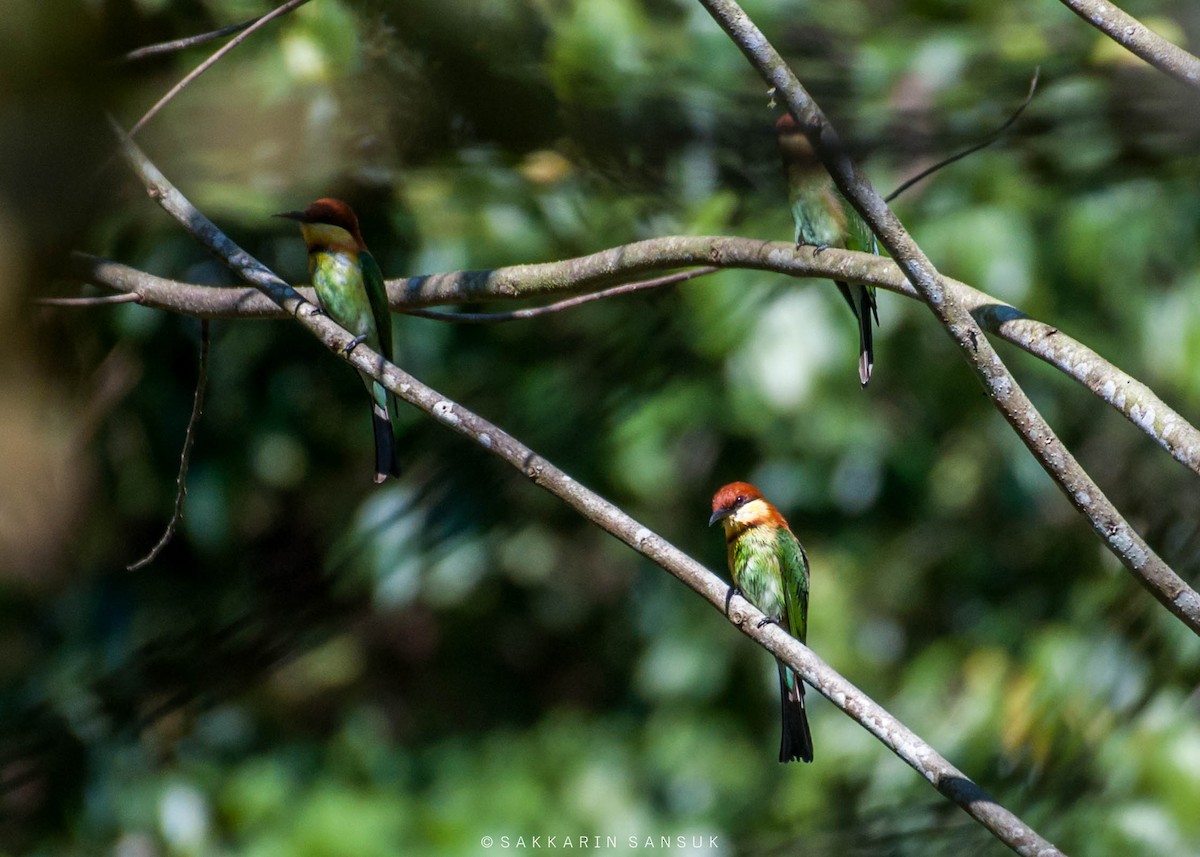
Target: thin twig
559 306
1138 39
970 150
98 300
1123 392
185 43
216 55
844 695
185 457
1147 568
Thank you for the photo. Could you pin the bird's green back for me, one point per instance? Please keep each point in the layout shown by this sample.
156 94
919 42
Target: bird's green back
794 566
377 296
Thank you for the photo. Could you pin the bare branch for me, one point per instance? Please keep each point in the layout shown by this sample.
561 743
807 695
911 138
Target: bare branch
212 60
171 295
185 457
1126 394
97 300
559 306
1084 494
1138 39
209 236
1130 397
970 150
891 732
185 43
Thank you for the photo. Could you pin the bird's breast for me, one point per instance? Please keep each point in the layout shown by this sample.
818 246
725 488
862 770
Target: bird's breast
337 278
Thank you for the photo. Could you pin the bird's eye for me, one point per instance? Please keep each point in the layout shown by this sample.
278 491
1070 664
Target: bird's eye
740 499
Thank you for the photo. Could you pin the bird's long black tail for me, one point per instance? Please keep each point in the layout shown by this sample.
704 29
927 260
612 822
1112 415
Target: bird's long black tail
796 742
385 444
862 304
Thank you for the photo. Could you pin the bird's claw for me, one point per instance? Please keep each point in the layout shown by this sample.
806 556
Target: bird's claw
354 343
767 620
732 591
818 249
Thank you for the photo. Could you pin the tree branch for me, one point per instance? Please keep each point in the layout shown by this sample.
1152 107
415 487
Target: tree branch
569 303
891 732
184 43
185 456
1129 396
212 60
1084 494
1138 39
972 149
95 300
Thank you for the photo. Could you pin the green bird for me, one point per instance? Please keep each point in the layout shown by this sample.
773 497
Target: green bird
769 567
819 213
350 287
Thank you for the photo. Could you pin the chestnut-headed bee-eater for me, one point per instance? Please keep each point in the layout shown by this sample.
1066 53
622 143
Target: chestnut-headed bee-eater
770 568
349 285
819 213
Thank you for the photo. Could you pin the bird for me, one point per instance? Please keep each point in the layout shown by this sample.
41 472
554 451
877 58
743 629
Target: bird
770 568
821 220
349 285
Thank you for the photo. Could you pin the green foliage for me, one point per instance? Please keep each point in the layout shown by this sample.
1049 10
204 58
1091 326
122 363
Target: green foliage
317 666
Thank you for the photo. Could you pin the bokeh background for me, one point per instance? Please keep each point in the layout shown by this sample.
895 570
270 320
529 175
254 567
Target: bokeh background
317 666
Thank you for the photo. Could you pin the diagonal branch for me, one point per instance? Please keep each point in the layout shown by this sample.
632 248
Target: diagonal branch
184 43
1081 490
1138 39
212 60
1129 396
947 779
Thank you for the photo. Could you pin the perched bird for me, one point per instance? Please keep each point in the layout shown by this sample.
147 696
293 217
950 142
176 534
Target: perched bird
819 213
350 286
769 567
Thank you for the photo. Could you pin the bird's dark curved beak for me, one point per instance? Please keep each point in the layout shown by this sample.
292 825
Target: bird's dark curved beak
718 515
291 215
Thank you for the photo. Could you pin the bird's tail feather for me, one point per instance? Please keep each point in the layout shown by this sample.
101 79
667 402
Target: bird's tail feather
866 341
862 304
385 443
796 742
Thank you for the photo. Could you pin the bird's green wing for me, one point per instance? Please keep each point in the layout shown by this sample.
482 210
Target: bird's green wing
817 210
377 296
858 235
794 568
